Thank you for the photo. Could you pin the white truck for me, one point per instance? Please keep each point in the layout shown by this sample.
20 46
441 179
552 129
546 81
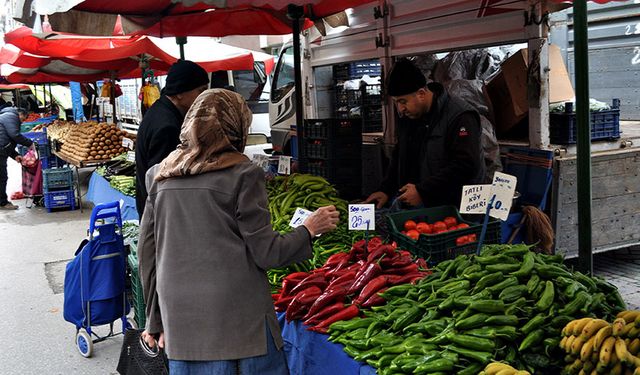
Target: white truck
393 28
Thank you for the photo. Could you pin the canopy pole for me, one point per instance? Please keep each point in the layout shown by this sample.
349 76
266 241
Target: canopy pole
50 98
181 41
112 97
585 251
295 13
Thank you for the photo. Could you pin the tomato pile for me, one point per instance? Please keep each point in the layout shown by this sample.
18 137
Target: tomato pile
413 229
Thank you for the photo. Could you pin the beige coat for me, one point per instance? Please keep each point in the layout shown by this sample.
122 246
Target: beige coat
205 244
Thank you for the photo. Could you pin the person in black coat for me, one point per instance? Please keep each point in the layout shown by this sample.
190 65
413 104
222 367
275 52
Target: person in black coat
10 137
439 147
159 131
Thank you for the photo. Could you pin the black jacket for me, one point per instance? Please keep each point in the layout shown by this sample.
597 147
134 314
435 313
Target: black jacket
158 136
10 133
438 153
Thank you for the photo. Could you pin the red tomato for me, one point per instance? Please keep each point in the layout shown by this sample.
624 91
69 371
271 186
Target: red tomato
439 227
462 226
450 221
462 240
472 238
409 225
413 234
424 228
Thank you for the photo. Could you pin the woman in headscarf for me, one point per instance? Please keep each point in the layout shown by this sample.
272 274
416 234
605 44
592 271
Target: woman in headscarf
205 243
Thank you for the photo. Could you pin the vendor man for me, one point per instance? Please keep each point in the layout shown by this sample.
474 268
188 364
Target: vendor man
439 148
159 131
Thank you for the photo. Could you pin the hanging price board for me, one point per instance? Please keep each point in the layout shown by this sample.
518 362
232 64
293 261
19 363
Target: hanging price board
362 217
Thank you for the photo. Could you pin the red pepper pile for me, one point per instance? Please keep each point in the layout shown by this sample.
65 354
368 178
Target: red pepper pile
346 282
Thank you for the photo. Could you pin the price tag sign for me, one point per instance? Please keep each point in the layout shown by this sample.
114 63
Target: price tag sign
131 156
362 217
261 161
502 190
102 100
284 164
299 217
475 199
126 142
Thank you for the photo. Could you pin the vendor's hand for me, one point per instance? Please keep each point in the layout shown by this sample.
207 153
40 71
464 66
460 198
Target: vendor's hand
410 195
18 159
379 197
322 220
151 341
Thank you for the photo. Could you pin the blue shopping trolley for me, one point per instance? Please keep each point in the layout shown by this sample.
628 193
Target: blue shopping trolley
94 282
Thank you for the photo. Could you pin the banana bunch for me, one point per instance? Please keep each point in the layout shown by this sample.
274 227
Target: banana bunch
594 346
499 368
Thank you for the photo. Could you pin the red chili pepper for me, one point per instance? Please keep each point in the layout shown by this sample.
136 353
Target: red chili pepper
405 253
349 313
282 303
380 251
335 259
401 261
328 310
301 301
275 296
347 276
411 268
371 288
374 243
314 279
330 295
344 263
371 270
297 276
375 299
403 279
422 264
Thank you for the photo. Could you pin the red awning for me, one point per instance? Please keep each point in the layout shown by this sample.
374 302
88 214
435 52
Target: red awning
13 86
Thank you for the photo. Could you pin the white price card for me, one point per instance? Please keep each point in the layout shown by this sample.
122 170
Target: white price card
131 156
502 190
362 217
261 161
102 100
475 199
126 142
299 217
284 164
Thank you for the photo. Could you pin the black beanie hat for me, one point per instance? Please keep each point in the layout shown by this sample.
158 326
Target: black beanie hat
185 76
405 78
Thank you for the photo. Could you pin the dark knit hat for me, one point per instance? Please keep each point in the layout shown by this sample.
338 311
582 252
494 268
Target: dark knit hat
185 76
405 78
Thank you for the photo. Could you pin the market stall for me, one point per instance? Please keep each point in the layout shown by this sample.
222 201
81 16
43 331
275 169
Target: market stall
100 191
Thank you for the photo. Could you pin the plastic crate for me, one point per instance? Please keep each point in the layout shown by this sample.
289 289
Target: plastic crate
436 248
136 287
372 68
37 137
605 125
51 162
534 170
341 71
344 174
331 149
333 128
59 199
57 179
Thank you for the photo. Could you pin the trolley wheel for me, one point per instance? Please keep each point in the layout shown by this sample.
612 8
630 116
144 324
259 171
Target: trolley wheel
84 343
131 323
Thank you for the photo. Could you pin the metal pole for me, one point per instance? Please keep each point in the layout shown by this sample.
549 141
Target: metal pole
295 13
181 40
585 254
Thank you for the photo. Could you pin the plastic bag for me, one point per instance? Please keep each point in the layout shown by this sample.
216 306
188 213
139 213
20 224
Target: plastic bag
29 159
150 93
470 65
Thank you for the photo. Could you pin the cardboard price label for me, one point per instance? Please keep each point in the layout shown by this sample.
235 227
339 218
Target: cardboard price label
128 143
476 198
284 164
131 156
362 217
299 217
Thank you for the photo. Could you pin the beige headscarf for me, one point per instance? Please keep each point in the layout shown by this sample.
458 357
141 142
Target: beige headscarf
213 135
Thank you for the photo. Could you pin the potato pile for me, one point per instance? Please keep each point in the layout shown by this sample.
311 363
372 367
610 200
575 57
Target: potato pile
59 130
94 141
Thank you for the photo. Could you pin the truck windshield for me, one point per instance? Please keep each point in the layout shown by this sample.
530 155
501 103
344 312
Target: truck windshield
284 78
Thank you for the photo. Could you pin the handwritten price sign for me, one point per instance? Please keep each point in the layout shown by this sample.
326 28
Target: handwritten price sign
299 217
284 165
362 217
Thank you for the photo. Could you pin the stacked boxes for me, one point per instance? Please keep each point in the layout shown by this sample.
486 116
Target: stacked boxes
58 188
365 102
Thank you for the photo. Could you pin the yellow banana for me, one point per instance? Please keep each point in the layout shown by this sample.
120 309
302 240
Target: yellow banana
621 351
601 368
522 372
577 329
587 349
637 321
494 367
617 369
634 346
629 315
627 328
575 366
567 345
606 350
593 327
576 345
507 371
602 335
562 342
571 326
637 371
618 326
634 332
595 357
582 372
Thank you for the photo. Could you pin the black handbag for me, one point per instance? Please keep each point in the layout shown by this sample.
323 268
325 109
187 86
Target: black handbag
137 358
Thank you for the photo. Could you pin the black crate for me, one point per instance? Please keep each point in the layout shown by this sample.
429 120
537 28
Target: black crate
331 149
341 71
333 128
605 125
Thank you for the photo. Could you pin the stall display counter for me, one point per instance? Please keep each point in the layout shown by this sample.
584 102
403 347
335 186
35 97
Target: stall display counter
100 191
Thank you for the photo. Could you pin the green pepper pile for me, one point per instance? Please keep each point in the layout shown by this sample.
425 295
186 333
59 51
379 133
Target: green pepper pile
286 193
508 304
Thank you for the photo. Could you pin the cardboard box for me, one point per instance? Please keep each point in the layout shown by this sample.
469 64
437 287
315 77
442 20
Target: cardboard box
508 89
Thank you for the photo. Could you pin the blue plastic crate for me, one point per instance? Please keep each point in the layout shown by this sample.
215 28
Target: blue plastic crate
59 199
37 137
534 170
51 162
605 125
57 179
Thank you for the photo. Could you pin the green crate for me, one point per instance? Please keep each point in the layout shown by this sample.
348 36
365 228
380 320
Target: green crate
136 288
436 248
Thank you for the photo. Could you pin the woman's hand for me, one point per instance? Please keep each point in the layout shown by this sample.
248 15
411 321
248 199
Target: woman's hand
323 220
151 341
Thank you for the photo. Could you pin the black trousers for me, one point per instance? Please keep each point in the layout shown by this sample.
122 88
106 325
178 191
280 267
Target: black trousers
3 180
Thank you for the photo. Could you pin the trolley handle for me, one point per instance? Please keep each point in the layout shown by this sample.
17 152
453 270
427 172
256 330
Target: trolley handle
96 214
